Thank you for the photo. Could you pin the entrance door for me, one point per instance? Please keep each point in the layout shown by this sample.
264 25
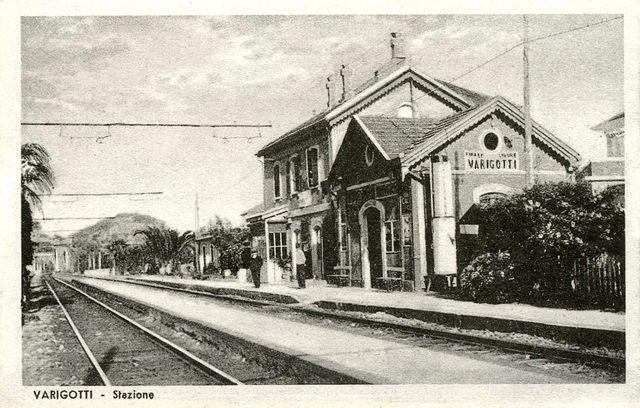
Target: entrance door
372 215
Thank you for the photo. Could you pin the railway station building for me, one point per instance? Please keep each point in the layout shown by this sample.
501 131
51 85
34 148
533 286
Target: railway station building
406 190
379 188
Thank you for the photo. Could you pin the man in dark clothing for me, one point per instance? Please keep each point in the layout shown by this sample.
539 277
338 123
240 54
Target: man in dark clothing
255 264
301 261
245 255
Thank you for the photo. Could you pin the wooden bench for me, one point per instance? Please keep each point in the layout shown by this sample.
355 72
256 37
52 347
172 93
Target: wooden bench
390 283
340 279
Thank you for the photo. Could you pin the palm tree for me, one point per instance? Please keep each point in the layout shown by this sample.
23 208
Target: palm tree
166 245
36 177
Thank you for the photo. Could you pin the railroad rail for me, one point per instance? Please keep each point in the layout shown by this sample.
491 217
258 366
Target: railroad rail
547 352
123 352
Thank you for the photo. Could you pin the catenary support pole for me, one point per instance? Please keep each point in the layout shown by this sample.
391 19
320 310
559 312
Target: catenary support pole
527 107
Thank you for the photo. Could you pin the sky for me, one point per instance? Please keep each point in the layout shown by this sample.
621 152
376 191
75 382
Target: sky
267 70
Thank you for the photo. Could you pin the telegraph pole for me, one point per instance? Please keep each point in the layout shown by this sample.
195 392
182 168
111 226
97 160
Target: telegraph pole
528 145
197 216
196 252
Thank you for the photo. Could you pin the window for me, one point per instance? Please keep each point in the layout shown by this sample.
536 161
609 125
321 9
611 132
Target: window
312 166
491 141
294 174
343 232
491 198
278 245
342 218
615 144
288 178
369 155
405 111
276 180
392 225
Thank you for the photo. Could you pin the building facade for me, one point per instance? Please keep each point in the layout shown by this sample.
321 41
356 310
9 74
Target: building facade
207 254
608 171
406 190
334 197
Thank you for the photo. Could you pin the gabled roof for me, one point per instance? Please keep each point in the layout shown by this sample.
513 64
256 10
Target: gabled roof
396 136
472 116
412 140
612 124
464 97
254 211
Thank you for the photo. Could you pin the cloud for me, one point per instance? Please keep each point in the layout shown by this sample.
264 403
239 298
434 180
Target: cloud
35 87
67 56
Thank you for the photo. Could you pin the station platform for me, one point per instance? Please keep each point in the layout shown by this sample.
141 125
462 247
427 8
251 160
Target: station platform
372 360
587 327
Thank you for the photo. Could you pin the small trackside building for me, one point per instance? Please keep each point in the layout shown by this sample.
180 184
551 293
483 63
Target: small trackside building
404 190
607 171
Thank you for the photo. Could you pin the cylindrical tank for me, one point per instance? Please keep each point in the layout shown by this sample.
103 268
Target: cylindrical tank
443 222
442 194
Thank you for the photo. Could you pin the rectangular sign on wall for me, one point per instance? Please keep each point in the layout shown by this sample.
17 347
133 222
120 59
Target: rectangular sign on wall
483 161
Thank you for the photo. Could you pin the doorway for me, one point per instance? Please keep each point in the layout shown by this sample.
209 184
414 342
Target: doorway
372 215
373 260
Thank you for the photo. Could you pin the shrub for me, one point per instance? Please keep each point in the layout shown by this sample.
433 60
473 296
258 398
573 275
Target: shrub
490 278
543 230
211 269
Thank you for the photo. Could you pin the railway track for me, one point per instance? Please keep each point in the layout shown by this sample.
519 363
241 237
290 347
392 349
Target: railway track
123 352
547 352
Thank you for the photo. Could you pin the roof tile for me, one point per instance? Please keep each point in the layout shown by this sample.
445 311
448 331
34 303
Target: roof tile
400 135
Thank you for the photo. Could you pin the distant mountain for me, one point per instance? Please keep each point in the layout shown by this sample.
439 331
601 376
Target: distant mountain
123 226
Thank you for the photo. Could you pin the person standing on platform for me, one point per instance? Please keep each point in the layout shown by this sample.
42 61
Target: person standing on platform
245 262
301 265
255 266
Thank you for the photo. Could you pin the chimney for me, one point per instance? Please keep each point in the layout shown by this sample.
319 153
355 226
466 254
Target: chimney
397 47
331 91
346 74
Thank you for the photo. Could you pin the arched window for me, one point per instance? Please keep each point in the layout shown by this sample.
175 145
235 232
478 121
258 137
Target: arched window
490 193
405 111
276 180
369 155
491 198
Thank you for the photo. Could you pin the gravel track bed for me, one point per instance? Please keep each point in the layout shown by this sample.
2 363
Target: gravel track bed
51 353
239 365
127 356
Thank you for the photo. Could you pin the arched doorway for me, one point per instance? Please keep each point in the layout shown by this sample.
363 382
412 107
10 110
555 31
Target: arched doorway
372 238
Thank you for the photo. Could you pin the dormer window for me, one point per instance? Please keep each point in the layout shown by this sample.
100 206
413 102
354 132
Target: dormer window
276 180
406 111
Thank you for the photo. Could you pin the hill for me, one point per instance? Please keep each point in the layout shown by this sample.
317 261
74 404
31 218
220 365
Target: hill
123 226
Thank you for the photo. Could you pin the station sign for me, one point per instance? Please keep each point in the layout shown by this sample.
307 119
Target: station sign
487 161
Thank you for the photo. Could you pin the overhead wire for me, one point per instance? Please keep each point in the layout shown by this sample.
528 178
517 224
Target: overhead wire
514 46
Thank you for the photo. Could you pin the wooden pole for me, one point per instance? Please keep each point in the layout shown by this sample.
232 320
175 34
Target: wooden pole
530 179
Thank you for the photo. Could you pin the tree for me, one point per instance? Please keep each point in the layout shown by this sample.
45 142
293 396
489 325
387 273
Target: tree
166 245
36 178
546 228
228 240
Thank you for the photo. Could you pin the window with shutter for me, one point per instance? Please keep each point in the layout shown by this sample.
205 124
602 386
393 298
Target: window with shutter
312 166
276 180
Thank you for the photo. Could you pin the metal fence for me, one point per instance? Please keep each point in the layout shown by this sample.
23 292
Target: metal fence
600 281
